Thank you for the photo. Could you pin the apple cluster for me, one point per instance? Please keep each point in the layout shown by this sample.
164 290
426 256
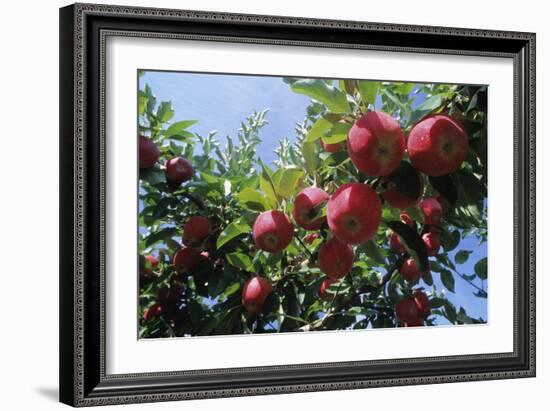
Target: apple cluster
351 215
338 220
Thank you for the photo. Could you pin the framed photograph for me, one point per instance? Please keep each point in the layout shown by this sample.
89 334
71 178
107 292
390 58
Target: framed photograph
259 204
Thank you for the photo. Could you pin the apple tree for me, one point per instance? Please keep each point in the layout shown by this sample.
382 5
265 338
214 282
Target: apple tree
358 223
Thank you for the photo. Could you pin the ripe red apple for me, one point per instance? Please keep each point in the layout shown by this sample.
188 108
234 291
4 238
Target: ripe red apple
431 240
323 289
150 264
255 291
422 303
444 203
306 207
153 311
272 231
148 152
416 323
406 310
354 213
376 144
196 229
336 258
409 271
178 170
407 219
432 211
437 145
310 238
186 260
399 200
395 243
333 148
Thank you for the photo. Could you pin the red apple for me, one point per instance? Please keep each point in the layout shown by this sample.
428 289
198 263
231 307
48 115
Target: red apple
272 231
310 238
178 170
255 291
409 271
406 310
150 264
376 144
422 303
335 258
333 148
323 289
186 260
306 207
399 200
431 240
395 243
416 323
152 312
432 211
354 213
148 152
407 219
196 229
437 145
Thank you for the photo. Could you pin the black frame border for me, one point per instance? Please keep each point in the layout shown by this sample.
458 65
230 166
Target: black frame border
83 31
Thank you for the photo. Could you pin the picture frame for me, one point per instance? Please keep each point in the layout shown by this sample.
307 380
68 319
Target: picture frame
84 29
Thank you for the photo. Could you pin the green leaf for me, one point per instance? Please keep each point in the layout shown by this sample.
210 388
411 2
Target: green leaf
230 290
462 256
369 91
448 280
239 260
165 111
445 186
335 100
425 108
177 128
321 126
267 186
288 182
337 134
436 302
142 102
449 240
481 268
252 199
233 230
404 88
160 235
372 250
310 157
153 176
412 241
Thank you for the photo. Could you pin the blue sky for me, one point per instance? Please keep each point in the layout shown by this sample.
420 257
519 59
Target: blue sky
221 102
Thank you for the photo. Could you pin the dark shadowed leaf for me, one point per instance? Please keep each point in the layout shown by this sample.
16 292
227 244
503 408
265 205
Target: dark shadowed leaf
239 260
448 280
445 186
462 256
406 180
481 268
412 242
160 235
